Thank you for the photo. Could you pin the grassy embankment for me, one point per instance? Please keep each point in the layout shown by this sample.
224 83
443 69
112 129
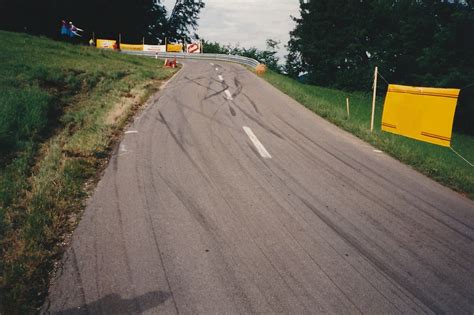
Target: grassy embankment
61 107
437 162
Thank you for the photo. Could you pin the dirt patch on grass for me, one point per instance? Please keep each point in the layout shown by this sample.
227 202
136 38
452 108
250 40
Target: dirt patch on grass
129 100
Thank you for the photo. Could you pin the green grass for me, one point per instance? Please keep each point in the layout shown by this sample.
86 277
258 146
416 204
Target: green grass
437 162
61 107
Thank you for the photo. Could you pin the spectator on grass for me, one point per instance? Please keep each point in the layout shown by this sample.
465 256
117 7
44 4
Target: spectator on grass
64 29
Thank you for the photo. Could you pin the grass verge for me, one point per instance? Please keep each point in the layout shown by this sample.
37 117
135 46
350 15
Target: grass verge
61 107
439 163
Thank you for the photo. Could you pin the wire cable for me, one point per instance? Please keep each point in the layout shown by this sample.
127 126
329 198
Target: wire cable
383 78
472 165
467 86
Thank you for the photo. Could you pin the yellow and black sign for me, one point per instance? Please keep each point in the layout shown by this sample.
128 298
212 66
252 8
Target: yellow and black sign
420 113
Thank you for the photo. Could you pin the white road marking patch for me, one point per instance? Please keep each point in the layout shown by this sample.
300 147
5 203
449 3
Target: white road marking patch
130 131
217 69
220 77
260 148
377 151
212 64
229 96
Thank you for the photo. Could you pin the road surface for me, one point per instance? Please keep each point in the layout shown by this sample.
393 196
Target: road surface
226 196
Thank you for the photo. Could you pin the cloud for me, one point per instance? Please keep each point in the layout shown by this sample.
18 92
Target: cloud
247 22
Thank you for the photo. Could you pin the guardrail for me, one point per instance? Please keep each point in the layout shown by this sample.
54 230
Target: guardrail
217 57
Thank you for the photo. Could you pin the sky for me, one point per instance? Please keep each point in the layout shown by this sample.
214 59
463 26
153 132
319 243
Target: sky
248 23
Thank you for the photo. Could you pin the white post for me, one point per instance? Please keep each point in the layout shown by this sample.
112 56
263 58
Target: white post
348 110
373 100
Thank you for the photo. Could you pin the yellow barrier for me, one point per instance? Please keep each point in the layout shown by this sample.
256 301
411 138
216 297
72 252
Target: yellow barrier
424 114
131 47
106 43
174 48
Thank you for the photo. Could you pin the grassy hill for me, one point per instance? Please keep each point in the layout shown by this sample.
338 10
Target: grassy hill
61 107
437 162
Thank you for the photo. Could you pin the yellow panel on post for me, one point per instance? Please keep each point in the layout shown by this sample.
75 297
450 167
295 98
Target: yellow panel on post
420 113
174 48
106 43
131 47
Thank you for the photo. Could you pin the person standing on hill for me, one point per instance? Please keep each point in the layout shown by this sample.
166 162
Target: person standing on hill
64 29
74 30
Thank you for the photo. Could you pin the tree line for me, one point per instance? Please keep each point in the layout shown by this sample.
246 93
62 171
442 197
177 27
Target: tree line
338 43
135 20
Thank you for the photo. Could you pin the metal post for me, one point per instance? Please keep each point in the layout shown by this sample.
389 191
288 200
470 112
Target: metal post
373 100
348 110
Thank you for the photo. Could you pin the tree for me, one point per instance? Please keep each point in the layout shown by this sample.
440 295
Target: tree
183 20
414 42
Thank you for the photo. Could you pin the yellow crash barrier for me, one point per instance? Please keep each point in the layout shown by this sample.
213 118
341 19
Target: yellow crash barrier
425 114
131 47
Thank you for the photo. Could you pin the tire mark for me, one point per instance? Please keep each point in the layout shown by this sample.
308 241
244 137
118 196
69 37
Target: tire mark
124 247
79 278
252 103
393 184
326 241
390 209
386 206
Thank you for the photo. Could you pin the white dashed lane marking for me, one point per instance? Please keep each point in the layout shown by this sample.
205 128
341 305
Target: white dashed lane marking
229 96
260 148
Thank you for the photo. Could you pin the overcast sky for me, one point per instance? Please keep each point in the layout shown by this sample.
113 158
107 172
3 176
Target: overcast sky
246 22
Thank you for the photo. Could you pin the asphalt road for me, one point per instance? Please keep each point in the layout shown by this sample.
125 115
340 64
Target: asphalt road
246 202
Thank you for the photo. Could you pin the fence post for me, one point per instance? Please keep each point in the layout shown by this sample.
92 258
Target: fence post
373 100
348 110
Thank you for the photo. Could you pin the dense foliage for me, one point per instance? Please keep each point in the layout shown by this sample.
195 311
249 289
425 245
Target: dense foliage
267 56
415 42
135 20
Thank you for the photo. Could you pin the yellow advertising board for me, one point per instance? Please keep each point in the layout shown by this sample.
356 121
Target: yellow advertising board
131 47
106 43
420 113
174 48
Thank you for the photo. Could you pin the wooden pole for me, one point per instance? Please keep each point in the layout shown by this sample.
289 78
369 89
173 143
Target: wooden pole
348 110
373 100
120 39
